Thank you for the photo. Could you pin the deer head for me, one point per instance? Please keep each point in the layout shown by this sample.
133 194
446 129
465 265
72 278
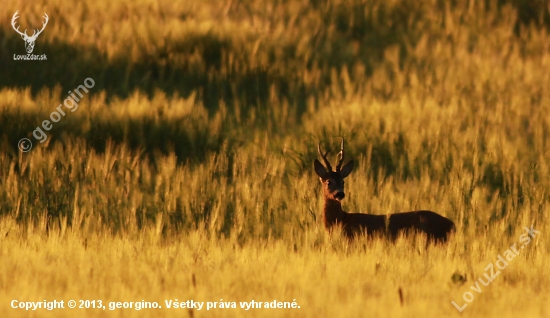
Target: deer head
333 181
29 40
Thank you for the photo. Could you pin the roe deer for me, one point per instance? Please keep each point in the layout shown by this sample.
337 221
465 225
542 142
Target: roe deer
437 227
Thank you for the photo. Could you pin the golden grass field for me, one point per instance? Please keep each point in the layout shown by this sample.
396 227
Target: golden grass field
186 172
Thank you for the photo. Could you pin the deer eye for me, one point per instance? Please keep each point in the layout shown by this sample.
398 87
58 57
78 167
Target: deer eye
329 182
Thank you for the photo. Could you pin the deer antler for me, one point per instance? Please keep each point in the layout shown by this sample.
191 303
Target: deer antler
324 157
340 155
13 24
43 26
24 34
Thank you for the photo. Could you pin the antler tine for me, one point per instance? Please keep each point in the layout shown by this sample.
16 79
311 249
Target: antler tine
13 20
324 157
341 155
47 18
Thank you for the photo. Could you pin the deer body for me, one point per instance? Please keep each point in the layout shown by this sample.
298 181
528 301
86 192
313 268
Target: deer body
436 227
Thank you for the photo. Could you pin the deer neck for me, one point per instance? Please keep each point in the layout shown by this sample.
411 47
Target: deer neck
333 212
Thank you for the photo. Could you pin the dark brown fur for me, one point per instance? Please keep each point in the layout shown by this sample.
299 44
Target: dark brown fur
436 227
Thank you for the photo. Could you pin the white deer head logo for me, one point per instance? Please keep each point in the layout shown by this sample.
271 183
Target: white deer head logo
29 40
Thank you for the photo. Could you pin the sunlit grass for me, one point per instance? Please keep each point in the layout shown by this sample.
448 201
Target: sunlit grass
331 279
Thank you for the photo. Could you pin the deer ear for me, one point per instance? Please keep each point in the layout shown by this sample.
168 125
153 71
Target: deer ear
320 169
346 169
